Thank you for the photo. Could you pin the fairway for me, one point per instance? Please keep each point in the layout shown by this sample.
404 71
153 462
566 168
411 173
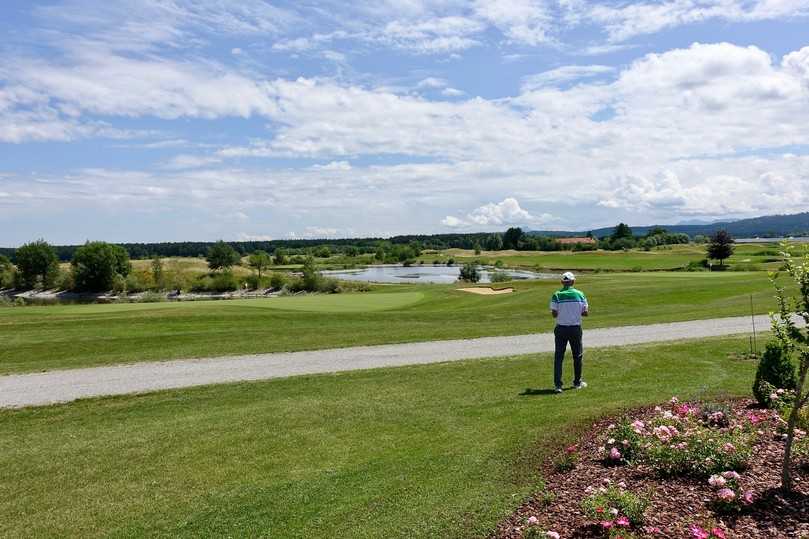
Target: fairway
443 450
338 303
67 336
759 256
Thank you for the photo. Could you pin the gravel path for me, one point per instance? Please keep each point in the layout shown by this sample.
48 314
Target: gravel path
67 385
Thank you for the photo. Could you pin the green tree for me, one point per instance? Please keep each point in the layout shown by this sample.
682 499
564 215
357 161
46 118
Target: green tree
323 251
512 238
311 277
280 258
37 264
98 266
259 260
494 242
477 248
380 253
720 246
157 273
469 272
6 272
222 256
621 231
795 341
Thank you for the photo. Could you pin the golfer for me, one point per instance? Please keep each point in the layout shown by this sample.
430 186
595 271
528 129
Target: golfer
568 305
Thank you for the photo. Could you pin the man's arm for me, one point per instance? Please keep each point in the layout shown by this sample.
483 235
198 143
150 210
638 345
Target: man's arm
554 307
585 309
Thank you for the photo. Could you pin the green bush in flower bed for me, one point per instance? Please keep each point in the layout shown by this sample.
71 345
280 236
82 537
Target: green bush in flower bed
684 441
615 506
624 443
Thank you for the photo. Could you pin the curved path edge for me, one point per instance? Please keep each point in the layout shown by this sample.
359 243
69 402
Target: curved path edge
38 389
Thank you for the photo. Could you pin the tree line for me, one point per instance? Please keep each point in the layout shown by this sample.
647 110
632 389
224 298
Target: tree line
514 238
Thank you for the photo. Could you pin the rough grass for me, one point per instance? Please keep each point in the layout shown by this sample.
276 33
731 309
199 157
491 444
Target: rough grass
40 338
429 451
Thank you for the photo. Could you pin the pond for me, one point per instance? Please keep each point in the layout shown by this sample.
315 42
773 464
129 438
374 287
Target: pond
425 274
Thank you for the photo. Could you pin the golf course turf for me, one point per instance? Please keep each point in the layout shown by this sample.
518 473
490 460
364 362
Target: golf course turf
441 450
68 336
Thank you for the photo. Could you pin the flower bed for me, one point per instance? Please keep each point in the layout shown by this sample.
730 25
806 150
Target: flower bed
691 470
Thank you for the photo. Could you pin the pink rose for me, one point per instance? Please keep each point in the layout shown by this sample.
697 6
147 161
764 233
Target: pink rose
606 524
731 475
622 521
553 535
729 447
719 533
533 521
747 497
726 495
698 533
615 454
717 481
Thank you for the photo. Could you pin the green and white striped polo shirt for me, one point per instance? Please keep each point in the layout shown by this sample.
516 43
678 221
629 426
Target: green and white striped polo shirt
570 304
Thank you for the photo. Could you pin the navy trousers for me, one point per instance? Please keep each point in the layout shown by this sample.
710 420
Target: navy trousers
564 335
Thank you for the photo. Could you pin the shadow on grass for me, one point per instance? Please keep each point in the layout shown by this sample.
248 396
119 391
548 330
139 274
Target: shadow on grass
530 392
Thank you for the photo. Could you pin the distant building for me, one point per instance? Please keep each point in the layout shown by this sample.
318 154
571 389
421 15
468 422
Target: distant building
583 240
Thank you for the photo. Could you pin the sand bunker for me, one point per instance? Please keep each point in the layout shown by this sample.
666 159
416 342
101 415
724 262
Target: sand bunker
487 291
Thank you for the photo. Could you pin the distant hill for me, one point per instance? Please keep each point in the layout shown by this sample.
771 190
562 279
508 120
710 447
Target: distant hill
767 226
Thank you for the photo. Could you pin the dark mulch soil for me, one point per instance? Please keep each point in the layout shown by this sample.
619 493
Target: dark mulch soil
675 503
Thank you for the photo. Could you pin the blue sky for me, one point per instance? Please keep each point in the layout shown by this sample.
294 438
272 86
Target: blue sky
160 120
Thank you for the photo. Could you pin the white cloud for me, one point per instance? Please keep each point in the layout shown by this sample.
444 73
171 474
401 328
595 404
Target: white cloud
505 213
333 165
315 232
563 74
452 92
432 83
626 21
244 236
185 161
526 22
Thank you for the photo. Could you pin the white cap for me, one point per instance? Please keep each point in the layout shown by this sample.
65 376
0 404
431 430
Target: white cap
568 277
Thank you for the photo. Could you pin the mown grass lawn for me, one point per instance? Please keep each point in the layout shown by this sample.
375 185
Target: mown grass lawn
671 257
441 450
41 338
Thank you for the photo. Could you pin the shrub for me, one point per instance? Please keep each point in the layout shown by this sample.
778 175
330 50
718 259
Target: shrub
609 505
469 272
500 277
700 454
567 460
355 286
623 443
65 280
139 281
714 414
152 297
328 285
255 282
118 284
224 282
729 495
776 369
278 280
